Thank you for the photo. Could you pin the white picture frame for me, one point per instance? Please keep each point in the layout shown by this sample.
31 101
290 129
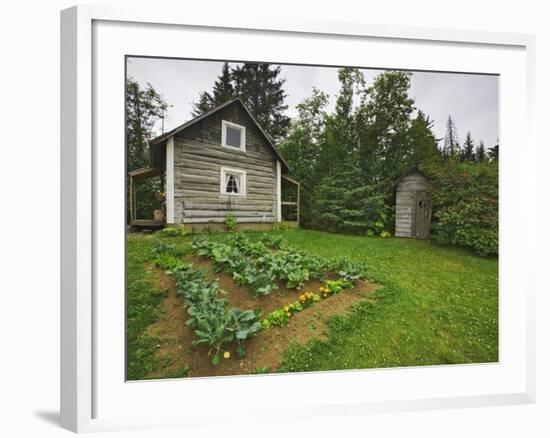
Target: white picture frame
94 394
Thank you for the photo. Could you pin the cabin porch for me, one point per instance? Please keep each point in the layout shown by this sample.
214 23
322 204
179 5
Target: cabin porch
156 218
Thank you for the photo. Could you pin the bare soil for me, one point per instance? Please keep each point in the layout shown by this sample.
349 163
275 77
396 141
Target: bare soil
263 351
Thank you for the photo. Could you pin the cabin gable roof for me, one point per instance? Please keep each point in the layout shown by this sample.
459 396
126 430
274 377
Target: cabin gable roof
164 137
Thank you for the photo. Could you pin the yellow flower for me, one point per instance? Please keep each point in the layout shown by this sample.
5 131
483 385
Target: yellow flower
226 355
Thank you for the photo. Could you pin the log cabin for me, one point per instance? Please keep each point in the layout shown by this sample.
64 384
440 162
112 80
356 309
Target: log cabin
218 164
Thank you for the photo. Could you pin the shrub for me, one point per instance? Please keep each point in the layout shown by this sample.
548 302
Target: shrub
344 203
230 222
465 204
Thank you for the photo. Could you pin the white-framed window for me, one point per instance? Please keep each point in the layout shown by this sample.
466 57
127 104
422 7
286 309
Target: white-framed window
233 135
232 181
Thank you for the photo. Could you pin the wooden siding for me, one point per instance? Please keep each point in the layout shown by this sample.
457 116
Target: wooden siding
405 211
198 157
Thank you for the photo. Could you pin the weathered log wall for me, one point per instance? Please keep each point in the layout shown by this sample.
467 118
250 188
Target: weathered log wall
198 157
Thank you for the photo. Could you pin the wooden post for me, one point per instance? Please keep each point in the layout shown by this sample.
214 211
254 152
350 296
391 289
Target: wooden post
298 205
131 194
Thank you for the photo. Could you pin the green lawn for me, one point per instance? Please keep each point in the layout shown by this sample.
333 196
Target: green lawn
143 299
438 305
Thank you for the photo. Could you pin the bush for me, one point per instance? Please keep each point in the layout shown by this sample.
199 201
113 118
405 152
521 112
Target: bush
343 203
230 222
465 204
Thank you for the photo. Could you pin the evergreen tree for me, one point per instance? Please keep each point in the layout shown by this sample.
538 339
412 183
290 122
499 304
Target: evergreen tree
261 89
468 151
222 91
451 144
223 87
204 104
344 203
422 138
492 153
480 152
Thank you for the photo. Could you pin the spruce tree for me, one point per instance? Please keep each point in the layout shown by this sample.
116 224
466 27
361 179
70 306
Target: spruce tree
468 151
480 152
451 144
204 104
222 91
422 139
492 153
223 87
261 89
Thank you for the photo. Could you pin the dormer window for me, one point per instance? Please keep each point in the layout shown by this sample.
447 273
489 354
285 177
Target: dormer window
233 135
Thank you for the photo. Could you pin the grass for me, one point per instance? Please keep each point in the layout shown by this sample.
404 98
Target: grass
143 308
438 305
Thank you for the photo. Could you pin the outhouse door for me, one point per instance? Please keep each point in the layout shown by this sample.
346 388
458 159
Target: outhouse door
422 215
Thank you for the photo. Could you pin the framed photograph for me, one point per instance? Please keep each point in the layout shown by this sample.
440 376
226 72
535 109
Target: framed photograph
264 208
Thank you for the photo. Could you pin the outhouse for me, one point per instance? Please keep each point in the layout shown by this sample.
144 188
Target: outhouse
413 209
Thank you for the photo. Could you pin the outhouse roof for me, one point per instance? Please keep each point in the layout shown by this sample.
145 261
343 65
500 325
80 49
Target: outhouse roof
411 169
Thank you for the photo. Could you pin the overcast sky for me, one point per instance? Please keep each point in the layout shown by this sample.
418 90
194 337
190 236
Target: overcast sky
471 100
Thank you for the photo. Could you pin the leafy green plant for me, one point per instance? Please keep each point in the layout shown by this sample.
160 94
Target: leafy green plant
178 231
244 325
273 241
294 307
230 222
167 262
214 325
297 277
276 318
213 332
349 270
164 248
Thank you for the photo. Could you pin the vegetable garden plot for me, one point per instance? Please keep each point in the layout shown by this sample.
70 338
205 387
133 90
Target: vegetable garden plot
246 319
